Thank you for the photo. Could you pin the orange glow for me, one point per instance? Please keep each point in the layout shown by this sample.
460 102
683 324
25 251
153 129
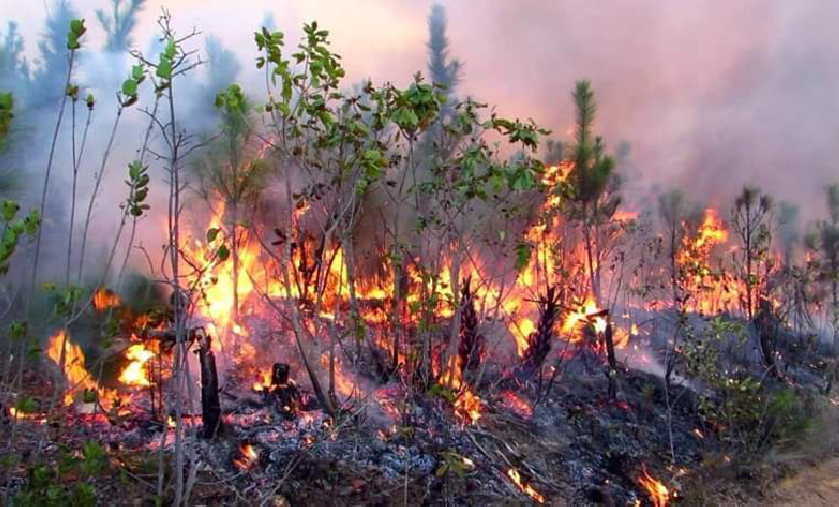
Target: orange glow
525 488
517 404
264 382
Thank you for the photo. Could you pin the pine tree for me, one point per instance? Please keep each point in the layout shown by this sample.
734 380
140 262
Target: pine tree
594 183
750 219
442 71
49 77
14 69
119 23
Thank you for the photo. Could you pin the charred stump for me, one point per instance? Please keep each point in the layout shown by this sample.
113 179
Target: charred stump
210 404
767 326
284 391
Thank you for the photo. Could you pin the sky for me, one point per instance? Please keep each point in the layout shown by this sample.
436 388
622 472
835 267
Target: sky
709 94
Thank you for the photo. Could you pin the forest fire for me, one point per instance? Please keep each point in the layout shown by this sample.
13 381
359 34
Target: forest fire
360 289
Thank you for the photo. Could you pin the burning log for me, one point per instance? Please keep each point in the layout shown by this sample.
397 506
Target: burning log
210 404
471 343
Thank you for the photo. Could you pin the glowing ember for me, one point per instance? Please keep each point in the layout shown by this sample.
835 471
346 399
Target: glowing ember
658 492
525 488
517 404
468 407
29 416
136 373
248 457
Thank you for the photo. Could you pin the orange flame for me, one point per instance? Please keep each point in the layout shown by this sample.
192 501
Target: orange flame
75 372
468 407
658 492
104 299
525 488
248 457
136 373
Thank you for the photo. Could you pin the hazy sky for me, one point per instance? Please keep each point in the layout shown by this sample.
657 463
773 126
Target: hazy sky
710 94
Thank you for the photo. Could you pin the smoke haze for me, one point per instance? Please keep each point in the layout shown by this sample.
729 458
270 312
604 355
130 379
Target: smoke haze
710 95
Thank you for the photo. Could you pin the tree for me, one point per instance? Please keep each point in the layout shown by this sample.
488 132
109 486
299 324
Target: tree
825 240
49 77
14 68
751 221
442 70
222 68
594 186
119 23
229 171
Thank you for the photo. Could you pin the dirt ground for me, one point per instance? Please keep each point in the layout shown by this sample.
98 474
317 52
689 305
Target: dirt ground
818 485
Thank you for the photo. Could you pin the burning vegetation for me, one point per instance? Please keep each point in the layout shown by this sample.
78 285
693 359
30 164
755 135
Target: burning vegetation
377 287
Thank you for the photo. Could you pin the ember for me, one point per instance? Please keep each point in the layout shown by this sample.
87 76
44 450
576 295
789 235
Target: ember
468 407
247 458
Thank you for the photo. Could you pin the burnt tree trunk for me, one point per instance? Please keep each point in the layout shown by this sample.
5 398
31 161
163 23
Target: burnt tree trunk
610 355
210 404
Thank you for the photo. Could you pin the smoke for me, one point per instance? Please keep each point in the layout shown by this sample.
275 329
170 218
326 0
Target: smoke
707 95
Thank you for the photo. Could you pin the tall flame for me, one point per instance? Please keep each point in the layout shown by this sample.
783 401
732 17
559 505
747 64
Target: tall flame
76 374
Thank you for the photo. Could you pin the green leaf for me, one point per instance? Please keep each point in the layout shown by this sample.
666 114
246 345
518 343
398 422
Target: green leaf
77 27
9 209
138 73
222 253
523 253
129 87
212 234
26 405
164 70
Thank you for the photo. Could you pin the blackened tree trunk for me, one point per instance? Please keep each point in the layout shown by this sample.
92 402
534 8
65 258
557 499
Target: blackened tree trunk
210 404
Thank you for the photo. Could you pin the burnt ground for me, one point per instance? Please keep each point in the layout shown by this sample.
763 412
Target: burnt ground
576 445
